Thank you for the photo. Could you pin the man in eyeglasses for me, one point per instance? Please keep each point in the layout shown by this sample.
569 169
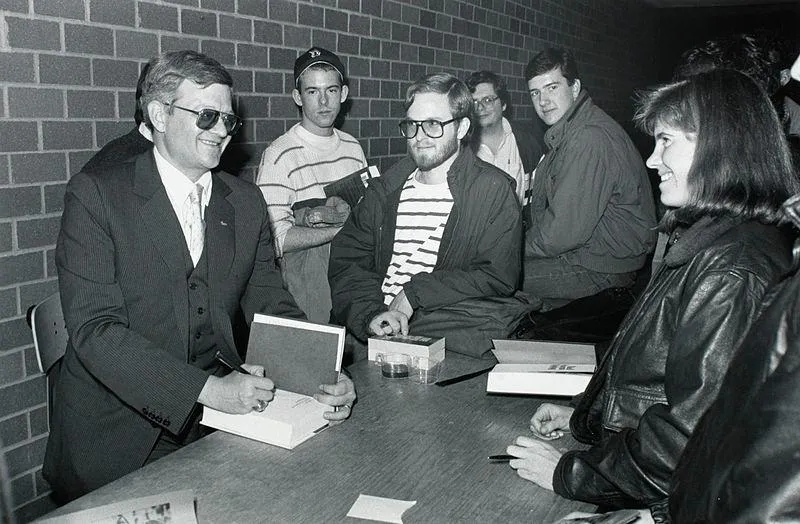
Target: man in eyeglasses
592 215
294 171
160 261
515 147
434 246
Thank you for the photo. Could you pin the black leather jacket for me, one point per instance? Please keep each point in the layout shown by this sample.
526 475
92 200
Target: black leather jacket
743 462
666 363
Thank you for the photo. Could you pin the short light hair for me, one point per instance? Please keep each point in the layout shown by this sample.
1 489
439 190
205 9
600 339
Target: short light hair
167 71
458 95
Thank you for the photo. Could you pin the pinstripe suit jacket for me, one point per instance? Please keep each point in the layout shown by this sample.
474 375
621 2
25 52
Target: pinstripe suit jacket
122 274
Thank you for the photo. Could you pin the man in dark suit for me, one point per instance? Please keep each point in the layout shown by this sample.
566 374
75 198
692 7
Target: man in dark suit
158 260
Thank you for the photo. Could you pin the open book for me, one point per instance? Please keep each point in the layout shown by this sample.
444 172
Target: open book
536 367
297 356
173 506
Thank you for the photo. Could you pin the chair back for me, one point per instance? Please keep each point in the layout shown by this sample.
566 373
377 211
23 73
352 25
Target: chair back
49 332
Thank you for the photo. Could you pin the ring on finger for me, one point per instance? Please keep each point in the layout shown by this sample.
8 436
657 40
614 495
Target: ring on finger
262 405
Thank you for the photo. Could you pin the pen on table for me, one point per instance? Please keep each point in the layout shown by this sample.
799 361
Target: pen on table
501 458
230 365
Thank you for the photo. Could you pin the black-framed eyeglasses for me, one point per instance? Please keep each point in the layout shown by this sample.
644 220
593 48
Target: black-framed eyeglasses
432 128
207 119
484 102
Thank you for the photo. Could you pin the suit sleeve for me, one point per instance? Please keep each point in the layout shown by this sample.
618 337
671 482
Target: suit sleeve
634 466
141 374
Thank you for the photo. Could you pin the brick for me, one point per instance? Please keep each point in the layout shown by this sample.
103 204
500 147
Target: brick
410 14
50 263
380 68
60 8
311 16
91 104
242 80
347 45
435 39
20 6
218 5
357 67
14 430
359 25
297 37
280 58
8 298
392 11
20 201
5 175
175 43
66 135
77 159
27 456
427 18
252 55
33 102
22 488
378 147
198 23
136 44
126 107
400 71
390 90
254 106
88 39
367 88
6 237
283 10
38 167
369 128
322 38
33 34
267 32
15 333
370 47
348 5
401 32
152 16
115 73
107 131
269 82
38 232
69 70
17 67
380 28
282 107
223 52
39 425
335 20
11 367
372 8
18 136
235 28
389 51
114 12
257 8
35 292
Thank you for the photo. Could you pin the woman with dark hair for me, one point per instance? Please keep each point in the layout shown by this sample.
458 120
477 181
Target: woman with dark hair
725 170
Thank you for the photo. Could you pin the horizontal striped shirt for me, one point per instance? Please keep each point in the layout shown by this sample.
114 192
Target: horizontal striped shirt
421 215
297 166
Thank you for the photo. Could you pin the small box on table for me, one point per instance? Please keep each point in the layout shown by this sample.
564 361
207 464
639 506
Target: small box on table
411 345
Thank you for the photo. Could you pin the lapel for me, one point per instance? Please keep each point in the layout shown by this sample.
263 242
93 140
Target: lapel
220 242
159 223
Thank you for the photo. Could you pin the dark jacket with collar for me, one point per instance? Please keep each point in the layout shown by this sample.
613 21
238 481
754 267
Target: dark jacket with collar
591 203
666 363
529 137
121 257
479 255
743 462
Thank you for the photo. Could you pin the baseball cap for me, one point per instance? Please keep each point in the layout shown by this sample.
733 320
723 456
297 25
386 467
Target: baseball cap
318 55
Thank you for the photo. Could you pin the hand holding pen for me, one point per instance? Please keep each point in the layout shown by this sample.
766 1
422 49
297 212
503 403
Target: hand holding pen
241 392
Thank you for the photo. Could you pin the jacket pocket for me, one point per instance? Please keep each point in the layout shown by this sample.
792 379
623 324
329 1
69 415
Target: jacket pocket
624 407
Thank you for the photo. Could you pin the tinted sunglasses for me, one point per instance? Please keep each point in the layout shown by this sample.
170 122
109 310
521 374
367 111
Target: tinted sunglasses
207 119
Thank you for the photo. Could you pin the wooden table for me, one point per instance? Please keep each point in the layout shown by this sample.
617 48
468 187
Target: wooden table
403 441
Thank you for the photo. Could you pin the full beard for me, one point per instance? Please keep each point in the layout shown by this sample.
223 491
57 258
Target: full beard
428 159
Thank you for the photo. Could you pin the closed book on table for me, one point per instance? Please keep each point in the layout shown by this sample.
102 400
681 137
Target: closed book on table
297 356
537 367
412 345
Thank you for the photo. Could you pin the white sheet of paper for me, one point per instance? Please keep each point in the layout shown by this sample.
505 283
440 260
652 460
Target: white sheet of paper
379 508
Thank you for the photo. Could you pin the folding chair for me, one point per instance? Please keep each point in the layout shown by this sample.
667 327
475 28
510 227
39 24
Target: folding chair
49 336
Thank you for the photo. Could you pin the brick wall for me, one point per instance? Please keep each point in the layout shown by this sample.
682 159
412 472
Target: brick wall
68 69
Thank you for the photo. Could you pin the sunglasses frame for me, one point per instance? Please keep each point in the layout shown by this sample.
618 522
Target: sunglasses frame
230 129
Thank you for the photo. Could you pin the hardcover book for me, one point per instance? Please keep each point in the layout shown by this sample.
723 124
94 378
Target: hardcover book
412 345
297 356
351 188
536 367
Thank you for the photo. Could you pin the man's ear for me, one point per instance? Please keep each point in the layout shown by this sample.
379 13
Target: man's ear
296 98
345 91
576 89
463 127
158 115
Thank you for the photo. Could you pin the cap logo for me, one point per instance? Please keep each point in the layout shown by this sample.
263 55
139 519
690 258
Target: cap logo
314 53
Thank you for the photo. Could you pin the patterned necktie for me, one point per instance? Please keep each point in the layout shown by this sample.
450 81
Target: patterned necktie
196 227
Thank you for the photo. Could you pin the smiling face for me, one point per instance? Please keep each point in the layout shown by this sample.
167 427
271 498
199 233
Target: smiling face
490 114
552 96
429 153
187 147
672 157
321 95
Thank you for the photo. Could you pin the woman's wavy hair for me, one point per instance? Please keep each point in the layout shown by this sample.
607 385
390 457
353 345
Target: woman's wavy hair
742 166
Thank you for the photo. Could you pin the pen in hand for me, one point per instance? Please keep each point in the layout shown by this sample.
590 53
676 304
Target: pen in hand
501 458
228 364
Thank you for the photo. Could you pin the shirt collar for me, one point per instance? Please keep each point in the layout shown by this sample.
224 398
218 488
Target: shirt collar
177 184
